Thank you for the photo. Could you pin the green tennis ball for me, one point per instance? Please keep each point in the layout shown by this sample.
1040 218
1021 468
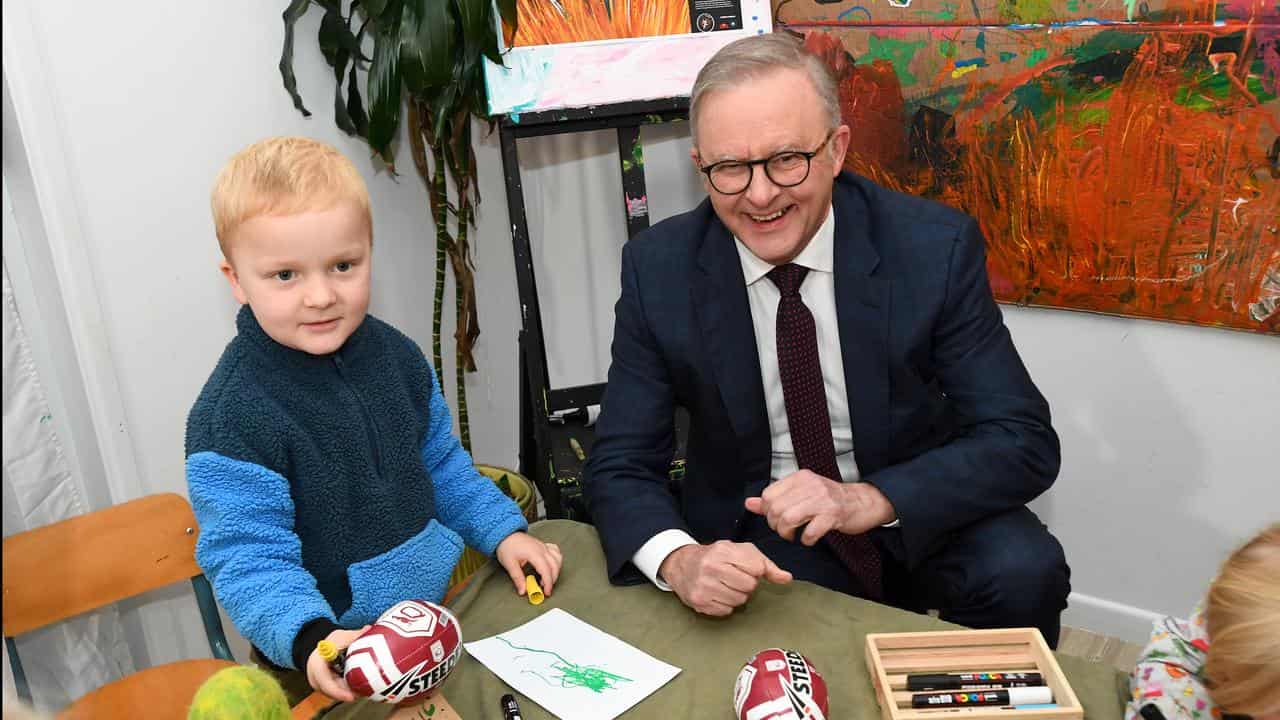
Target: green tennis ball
239 693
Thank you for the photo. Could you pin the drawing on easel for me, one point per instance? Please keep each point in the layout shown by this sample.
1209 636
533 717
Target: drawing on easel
570 53
570 668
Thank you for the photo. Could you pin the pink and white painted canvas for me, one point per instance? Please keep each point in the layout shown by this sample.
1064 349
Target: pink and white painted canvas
584 53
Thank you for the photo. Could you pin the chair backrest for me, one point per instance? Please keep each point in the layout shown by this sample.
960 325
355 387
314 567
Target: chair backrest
61 570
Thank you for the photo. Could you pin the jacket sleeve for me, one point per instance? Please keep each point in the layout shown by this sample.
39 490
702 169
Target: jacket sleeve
1006 452
625 479
248 548
467 502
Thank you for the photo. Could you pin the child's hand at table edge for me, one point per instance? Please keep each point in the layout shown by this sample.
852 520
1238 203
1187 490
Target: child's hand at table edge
520 548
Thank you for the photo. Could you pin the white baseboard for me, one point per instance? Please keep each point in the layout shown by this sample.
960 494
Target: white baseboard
1106 617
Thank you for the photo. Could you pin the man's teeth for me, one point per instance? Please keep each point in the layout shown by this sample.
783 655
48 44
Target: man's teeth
767 218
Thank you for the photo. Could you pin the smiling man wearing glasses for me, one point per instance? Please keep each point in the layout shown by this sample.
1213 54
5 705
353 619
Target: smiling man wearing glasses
859 417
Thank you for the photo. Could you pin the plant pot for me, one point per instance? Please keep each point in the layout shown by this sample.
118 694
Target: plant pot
518 488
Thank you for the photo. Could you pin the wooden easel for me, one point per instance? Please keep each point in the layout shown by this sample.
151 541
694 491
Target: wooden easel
546 456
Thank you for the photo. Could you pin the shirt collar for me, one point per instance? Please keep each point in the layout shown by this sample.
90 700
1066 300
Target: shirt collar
818 255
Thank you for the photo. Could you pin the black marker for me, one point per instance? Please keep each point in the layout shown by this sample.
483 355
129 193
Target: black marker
1011 696
973 681
510 710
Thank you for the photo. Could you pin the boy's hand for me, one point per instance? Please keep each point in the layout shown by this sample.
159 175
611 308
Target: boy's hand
321 675
520 548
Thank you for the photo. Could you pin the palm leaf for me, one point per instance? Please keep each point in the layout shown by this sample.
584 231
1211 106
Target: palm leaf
335 35
385 90
478 36
355 107
296 9
426 44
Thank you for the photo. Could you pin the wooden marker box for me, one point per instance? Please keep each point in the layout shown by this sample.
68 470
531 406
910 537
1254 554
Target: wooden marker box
892 656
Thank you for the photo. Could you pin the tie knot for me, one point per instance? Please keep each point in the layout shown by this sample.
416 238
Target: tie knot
788 278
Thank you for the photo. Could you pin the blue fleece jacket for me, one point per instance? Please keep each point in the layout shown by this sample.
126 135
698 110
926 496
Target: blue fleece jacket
328 488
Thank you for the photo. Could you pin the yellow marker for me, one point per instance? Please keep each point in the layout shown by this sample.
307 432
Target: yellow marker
532 590
330 654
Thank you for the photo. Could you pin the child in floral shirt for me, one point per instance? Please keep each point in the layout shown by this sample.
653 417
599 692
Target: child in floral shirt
1182 675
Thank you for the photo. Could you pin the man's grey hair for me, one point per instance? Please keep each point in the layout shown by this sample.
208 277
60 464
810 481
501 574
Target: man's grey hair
754 57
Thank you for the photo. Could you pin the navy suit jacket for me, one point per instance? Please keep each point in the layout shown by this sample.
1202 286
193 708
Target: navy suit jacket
946 421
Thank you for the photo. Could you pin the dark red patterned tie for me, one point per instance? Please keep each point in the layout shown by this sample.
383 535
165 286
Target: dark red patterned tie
807 417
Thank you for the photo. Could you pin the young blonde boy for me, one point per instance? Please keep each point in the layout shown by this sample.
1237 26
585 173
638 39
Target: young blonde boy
320 459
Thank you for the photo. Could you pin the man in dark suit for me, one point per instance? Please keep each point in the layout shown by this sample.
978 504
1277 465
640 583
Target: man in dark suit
859 417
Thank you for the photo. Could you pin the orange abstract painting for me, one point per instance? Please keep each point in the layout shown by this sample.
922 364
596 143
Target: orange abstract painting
1120 166
555 22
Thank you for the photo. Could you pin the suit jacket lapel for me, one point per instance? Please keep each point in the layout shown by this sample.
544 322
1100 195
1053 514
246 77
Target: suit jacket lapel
862 313
724 317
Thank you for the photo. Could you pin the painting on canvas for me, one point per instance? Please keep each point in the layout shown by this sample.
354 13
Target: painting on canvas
1122 157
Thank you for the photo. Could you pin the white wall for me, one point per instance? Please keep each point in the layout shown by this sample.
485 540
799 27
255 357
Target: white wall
1169 455
1164 427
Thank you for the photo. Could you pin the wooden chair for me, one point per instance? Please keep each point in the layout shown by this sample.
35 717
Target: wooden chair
61 570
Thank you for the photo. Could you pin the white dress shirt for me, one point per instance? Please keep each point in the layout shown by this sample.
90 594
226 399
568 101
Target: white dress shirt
818 291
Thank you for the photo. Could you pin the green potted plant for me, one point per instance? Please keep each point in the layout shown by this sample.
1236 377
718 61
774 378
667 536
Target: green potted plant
423 59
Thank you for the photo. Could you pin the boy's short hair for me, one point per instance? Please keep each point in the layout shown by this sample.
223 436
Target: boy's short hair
1242 616
283 176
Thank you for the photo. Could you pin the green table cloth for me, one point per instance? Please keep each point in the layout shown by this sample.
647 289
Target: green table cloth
827 627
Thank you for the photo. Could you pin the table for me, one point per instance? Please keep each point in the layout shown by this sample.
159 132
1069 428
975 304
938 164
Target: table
828 627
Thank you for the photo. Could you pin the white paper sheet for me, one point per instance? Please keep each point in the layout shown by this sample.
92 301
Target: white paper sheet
572 669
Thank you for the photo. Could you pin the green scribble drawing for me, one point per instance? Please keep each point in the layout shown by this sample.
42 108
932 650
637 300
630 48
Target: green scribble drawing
593 678
427 711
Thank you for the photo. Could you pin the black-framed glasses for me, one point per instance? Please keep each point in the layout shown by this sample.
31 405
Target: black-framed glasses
784 169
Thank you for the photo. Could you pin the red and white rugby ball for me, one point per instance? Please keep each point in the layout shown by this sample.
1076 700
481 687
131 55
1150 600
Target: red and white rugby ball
405 655
779 684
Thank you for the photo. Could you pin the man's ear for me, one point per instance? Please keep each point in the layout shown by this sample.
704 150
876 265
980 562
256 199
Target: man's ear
234 281
697 168
839 146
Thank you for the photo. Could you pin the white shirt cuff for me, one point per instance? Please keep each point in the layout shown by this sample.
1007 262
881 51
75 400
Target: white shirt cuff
896 523
648 559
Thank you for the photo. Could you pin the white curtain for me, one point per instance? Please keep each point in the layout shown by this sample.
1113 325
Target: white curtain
63 661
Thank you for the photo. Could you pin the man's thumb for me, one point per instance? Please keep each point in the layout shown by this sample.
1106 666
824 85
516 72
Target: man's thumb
775 574
755 505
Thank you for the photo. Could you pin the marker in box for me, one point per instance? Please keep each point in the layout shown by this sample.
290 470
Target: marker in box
973 681
1010 696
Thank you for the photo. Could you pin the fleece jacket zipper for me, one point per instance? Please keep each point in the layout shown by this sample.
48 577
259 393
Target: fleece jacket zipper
364 411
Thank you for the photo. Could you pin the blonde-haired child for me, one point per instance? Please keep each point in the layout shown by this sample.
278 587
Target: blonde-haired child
320 456
1225 659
